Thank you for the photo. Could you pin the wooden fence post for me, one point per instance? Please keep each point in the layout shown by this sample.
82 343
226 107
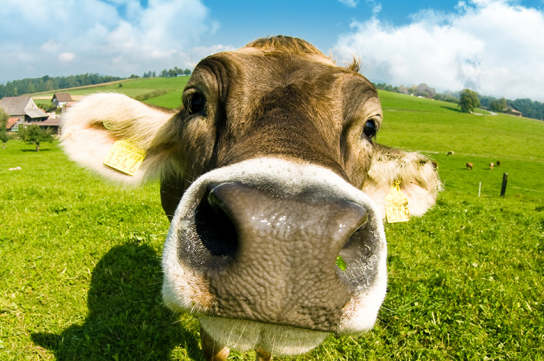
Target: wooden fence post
504 180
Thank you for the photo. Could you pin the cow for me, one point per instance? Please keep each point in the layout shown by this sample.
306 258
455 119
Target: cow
451 152
491 166
498 163
269 174
469 166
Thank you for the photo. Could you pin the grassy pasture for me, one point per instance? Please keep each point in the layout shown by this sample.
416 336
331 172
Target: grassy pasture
130 87
80 274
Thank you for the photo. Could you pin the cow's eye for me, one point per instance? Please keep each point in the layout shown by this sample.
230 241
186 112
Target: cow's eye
196 103
370 129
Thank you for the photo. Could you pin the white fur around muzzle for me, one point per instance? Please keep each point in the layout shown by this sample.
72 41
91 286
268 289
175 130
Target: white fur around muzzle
184 288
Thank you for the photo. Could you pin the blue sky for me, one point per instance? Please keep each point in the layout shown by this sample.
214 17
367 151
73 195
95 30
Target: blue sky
495 47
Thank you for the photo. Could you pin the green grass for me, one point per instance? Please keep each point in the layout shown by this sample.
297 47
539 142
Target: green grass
163 92
171 100
435 126
80 275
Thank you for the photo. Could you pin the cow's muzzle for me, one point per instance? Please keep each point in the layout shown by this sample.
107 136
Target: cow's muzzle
275 257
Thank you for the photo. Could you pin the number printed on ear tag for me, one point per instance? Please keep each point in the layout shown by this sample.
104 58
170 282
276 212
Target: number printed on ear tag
396 205
125 157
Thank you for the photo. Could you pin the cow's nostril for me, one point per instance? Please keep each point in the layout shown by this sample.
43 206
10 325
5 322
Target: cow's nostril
359 255
215 228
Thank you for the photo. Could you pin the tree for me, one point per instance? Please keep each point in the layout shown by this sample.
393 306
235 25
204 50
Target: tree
3 119
498 105
187 72
468 101
35 134
4 137
45 107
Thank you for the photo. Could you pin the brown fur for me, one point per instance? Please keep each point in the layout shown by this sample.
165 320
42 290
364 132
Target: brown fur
469 166
284 45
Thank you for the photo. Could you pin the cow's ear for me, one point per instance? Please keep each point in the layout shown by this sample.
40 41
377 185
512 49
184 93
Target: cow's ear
416 173
92 129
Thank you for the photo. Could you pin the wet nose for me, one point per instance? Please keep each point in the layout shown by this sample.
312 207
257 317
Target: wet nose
282 251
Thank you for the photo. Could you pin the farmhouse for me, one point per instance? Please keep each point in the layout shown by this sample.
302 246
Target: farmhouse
60 100
513 111
23 109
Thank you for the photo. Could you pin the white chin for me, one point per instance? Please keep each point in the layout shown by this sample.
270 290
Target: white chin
242 336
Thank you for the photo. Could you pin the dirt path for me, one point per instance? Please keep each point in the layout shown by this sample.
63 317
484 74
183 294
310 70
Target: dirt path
74 97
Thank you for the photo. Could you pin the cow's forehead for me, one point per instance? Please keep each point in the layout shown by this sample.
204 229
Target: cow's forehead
255 72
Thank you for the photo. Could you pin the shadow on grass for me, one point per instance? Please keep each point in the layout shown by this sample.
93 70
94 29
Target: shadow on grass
34 150
452 109
127 319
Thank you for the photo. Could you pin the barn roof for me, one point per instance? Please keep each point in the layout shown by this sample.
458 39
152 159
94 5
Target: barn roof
11 122
63 97
51 122
21 106
14 105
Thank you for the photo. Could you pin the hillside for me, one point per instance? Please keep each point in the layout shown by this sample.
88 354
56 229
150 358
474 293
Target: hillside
441 127
130 87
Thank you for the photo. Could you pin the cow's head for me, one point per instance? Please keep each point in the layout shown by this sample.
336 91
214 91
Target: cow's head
269 171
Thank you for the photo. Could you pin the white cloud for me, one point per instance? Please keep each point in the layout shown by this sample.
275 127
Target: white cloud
62 37
376 7
66 57
492 46
200 52
50 46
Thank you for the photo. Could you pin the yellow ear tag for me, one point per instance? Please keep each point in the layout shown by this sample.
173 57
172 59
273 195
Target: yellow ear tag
396 205
125 157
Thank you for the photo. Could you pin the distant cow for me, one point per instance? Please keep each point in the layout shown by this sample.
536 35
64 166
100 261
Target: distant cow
469 166
498 163
451 152
490 166
269 174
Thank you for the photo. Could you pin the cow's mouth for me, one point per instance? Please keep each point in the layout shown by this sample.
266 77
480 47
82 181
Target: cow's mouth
243 335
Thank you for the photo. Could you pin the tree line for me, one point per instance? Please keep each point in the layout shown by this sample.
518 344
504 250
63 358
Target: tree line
421 90
47 83
529 108
170 73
